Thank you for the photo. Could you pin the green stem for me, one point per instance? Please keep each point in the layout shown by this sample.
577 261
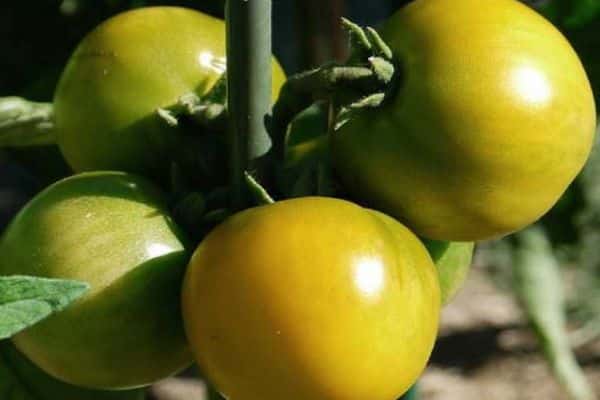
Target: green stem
301 90
249 87
24 123
363 81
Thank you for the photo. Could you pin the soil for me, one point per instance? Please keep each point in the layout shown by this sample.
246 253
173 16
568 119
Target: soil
487 352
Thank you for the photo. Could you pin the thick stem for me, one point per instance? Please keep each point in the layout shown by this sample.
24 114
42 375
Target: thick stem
249 87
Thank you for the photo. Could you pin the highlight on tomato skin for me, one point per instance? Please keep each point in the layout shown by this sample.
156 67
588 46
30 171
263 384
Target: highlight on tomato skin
493 118
122 72
311 298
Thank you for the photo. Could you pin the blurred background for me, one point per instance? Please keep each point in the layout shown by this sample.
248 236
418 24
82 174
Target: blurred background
526 325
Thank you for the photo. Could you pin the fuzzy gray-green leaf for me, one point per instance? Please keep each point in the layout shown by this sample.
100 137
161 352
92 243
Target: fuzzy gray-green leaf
25 300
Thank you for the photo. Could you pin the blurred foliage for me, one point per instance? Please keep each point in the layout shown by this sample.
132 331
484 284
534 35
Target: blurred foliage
539 286
571 14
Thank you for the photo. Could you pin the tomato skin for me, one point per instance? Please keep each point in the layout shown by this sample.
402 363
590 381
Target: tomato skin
124 70
494 118
453 263
111 230
311 298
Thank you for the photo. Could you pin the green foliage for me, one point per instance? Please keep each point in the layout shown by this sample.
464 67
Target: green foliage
570 13
538 284
589 230
22 380
27 300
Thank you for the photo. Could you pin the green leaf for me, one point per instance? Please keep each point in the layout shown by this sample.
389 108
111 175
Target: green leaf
20 379
583 12
25 300
538 284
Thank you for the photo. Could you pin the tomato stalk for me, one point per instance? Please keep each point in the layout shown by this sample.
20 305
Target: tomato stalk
249 79
301 90
364 81
25 123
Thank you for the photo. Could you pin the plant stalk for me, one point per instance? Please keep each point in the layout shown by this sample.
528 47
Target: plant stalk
249 78
25 123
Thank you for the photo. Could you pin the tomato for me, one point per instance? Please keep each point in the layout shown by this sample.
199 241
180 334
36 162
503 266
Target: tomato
493 118
311 298
37 383
122 72
453 262
111 230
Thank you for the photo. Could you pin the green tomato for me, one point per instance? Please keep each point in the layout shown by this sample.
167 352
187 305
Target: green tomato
41 386
112 231
453 262
122 72
493 119
311 298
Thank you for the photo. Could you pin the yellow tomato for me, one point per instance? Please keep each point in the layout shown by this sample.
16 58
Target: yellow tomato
311 298
493 119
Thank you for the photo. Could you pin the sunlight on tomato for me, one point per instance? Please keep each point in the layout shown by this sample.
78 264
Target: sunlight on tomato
312 298
493 119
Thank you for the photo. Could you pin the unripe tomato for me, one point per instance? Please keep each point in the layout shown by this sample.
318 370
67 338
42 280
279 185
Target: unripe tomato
122 72
112 231
493 118
311 298
453 263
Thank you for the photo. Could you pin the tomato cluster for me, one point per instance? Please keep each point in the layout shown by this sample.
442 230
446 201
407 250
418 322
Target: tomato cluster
319 295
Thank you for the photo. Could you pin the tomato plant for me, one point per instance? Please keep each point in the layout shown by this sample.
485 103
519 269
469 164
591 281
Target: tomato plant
447 126
112 231
492 119
122 72
290 300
